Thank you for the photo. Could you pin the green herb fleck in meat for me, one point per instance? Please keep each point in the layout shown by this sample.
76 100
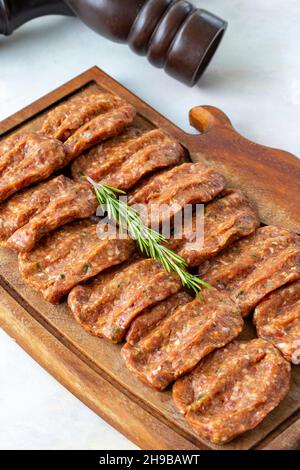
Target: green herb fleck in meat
116 333
86 267
200 397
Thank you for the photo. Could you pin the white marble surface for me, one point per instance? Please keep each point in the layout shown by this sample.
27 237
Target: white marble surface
254 78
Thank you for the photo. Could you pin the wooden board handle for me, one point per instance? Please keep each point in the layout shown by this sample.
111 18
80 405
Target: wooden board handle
205 118
265 174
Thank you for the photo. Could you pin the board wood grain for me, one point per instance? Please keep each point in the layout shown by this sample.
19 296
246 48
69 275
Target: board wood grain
92 368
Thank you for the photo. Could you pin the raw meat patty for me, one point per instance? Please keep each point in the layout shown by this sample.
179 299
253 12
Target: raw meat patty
69 256
256 265
277 319
107 306
232 390
182 339
225 220
33 213
185 184
122 161
28 158
87 120
152 316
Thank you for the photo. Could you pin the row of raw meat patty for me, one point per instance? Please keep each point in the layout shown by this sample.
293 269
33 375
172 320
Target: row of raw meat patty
170 336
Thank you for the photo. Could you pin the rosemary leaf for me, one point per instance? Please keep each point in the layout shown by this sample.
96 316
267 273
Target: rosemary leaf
150 242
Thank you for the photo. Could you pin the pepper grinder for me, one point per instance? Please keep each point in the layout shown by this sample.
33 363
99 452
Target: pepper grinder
173 34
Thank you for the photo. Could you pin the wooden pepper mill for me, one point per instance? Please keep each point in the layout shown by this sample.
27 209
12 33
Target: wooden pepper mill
14 13
173 34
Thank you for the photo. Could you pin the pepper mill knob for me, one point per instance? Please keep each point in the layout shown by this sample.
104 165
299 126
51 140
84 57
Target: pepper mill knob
177 37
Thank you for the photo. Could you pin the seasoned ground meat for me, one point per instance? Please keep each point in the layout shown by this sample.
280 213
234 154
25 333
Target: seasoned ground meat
69 256
256 265
64 120
123 160
102 158
20 208
98 129
277 319
182 339
225 220
107 306
152 316
26 159
185 184
232 390
29 216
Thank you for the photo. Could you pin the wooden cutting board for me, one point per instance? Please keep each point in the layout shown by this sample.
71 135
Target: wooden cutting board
91 368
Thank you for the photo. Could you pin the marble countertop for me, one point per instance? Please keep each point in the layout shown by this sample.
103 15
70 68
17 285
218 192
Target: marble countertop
254 78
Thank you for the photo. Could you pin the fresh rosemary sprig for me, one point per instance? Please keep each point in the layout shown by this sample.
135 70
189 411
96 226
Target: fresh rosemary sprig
150 242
